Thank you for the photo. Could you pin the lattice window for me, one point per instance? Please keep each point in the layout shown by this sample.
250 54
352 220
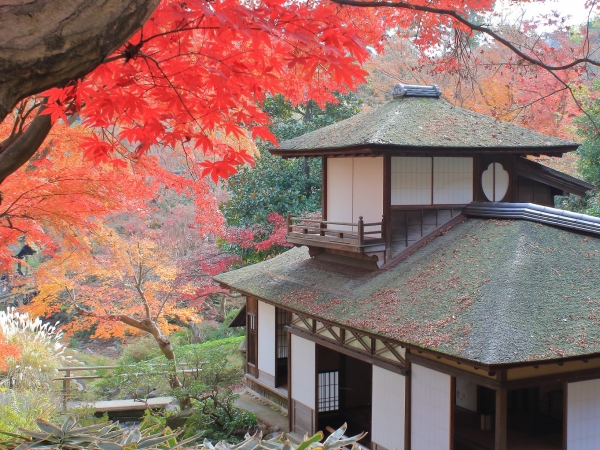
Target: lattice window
252 321
252 338
282 319
329 391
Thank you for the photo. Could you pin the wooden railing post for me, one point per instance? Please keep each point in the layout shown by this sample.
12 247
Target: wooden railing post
361 231
66 388
289 222
321 229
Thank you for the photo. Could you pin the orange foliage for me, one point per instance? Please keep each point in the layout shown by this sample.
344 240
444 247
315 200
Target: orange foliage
54 199
7 351
126 276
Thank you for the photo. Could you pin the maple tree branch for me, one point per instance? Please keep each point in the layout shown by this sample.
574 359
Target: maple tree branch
533 102
471 25
47 44
127 320
20 150
163 303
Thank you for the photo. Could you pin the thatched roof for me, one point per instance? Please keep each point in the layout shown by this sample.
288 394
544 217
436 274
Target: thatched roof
491 291
421 123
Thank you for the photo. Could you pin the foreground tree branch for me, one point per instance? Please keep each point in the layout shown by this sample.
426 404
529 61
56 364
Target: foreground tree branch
45 43
23 146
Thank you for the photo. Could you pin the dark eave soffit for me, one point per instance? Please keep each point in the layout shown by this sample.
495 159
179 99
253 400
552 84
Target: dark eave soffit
538 172
240 319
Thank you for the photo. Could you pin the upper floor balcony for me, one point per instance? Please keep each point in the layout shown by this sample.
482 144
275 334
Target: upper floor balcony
381 242
359 237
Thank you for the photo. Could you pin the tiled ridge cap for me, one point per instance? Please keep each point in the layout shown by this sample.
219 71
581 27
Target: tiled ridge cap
410 90
535 213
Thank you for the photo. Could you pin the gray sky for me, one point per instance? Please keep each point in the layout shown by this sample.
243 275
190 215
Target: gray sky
574 8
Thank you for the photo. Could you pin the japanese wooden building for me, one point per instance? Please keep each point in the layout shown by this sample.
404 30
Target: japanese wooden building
441 302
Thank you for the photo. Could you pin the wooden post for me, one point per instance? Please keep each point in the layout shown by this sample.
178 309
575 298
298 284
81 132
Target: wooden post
361 231
384 237
289 222
66 388
321 229
501 417
407 403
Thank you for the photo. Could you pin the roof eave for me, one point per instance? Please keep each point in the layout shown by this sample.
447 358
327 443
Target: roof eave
487 367
399 150
545 174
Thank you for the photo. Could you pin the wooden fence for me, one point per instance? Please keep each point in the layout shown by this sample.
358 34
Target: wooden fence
69 376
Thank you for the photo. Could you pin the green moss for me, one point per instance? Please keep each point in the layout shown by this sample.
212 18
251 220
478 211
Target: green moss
422 122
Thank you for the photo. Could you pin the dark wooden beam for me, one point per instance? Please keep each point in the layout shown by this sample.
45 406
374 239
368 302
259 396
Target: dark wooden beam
565 410
501 417
407 405
324 188
452 403
387 204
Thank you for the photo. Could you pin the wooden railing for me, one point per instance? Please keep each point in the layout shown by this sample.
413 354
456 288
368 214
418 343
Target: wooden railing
69 376
358 235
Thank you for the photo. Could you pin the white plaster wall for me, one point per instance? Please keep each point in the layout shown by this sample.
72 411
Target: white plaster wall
452 180
466 394
339 190
266 338
430 409
388 408
367 191
411 180
303 371
583 415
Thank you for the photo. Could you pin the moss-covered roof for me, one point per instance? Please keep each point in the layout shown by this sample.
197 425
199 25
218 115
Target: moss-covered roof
415 122
490 291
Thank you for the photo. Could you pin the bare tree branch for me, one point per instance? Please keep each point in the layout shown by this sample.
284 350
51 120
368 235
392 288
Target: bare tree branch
473 26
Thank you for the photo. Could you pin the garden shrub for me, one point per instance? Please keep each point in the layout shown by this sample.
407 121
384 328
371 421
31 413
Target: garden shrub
41 351
20 409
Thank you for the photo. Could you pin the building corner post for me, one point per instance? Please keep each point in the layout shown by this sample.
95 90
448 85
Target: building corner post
501 417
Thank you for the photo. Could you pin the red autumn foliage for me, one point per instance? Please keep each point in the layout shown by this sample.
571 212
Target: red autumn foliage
248 238
7 351
197 71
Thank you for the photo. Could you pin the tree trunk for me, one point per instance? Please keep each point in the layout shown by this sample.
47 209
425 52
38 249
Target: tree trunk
306 168
163 342
165 347
47 43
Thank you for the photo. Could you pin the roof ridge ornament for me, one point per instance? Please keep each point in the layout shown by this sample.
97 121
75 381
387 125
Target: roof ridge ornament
409 90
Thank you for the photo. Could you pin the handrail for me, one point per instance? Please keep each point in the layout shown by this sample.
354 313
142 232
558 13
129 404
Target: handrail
68 377
331 222
79 368
321 229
